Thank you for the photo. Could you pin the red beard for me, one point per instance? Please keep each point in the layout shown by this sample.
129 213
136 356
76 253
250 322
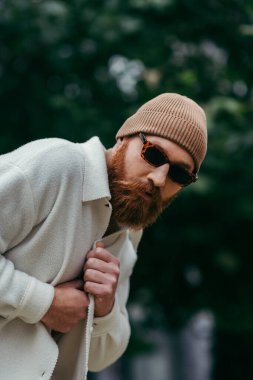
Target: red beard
130 209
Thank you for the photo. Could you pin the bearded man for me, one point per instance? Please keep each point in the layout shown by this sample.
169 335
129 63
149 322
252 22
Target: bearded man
71 220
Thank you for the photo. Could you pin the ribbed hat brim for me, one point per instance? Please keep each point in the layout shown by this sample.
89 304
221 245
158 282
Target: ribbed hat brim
174 117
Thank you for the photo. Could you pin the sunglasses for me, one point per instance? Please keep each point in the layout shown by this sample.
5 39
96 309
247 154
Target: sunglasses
156 157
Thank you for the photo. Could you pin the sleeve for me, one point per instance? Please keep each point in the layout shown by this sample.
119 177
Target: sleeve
21 295
111 333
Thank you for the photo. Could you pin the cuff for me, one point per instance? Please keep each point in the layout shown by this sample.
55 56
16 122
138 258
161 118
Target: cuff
102 325
36 301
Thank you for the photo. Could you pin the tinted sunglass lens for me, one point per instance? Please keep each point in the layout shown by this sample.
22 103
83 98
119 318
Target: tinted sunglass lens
154 156
179 175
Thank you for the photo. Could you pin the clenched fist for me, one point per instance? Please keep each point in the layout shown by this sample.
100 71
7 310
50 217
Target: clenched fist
69 306
101 274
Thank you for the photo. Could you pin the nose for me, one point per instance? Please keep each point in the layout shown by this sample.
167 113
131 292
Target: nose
158 175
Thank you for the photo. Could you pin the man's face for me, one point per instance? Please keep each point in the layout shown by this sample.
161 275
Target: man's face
140 192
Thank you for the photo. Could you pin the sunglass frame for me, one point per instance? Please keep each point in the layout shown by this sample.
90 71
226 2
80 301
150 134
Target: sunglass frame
192 177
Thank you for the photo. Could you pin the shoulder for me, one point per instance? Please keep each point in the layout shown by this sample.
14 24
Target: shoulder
52 155
37 148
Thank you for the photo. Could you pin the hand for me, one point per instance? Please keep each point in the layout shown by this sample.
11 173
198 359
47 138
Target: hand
101 274
69 306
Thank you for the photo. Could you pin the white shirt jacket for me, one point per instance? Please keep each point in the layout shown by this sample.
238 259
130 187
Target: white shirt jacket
54 206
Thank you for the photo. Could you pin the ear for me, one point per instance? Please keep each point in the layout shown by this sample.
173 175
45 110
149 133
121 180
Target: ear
119 142
111 151
115 147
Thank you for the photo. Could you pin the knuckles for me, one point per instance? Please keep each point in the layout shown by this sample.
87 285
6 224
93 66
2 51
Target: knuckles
87 287
90 262
88 273
93 256
115 281
109 290
116 271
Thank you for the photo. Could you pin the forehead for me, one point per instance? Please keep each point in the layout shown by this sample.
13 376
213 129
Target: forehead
174 152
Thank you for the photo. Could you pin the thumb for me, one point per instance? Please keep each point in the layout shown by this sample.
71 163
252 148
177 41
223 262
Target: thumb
100 244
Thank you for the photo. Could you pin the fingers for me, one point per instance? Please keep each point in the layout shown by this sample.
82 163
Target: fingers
102 266
99 277
98 290
98 272
102 254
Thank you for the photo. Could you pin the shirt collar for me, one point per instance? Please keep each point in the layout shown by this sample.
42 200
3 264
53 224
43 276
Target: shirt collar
95 176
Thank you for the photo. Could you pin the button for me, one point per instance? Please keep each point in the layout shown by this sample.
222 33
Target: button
91 329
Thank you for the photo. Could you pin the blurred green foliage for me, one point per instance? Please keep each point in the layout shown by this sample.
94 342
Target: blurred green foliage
78 68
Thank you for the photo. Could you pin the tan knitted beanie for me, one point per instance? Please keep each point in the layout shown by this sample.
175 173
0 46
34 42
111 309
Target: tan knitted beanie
174 117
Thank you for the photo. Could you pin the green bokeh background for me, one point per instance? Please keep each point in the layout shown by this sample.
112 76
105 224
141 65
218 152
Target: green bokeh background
76 68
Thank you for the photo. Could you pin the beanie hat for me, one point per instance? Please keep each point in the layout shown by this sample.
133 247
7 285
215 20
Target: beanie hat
174 117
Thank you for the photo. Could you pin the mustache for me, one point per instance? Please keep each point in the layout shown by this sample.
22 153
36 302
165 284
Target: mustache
130 187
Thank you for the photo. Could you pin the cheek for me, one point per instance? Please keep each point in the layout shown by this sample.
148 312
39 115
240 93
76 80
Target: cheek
133 167
170 190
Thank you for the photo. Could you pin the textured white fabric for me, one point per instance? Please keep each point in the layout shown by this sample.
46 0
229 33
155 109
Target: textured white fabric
54 198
